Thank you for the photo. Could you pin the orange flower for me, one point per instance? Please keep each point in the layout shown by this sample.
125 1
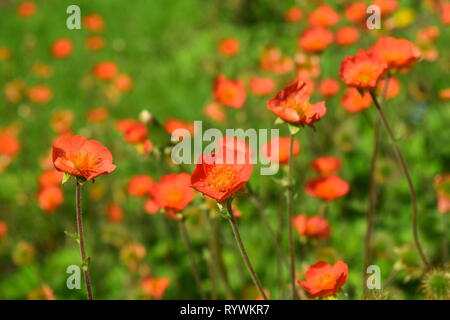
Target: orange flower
97 115
353 101
324 16
5 54
173 124
155 287
442 185
115 213
323 280
9 145
50 178
140 185
346 36
132 130
314 227
82 158
229 47
292 105
329 87
356 12
386 6
3 229
62 48
393 88
444 94
327 188
215 112
173 193
230 93
261 86
123 82
362 70
40 94
217 177
150 207
26 9
445 14
315 39
396 53
428 34
282 154
94 22
50 198
62 121
326 165
272 60
43 293
293 15
95 43
105 70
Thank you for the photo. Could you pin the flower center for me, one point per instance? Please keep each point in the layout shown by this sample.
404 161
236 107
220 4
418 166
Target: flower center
303 108
173 197
325 280
227 93
222 178
84 161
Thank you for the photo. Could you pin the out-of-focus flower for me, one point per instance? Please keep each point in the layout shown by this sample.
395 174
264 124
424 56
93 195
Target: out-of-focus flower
150 207
13 90
133 131
323 280
329 87
386 6
281 155
327 188
356 12
442 185
444 94
62 48
82 158
40 94
23 253
132 254
230 93
140 185
229 47
326 165
311 227
105 70
94 22
362 70
324 16
396 53
346 36
445 14
403 18
393 88
216 177
95 43
292 105
42 70
154 287
62 121
428 34
9 144
5 54
315 39
26 9
50 198
353 101
123 82
173 193
50 178
173 124
293 14
43 293
3 229
273 61
99 114
114 212
261 86
215 112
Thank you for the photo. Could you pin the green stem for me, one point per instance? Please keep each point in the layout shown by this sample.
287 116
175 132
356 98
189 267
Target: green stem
290 204
241 247
80 231
405 170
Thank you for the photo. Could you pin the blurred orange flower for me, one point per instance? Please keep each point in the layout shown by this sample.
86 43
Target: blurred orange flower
229 46
315 39
61 121
9 144
442 185
327 188
97 114
393 88
41 94
329 87
123 82
50 178
346 36
155 287
323 280
105 70
324 16
311 227
261 86
114 212
43 293
50 198
150 207
62 48
293 15
173 193
94 22
272 60
326 165
396 53
133 130
215 112
140 185
26 9
3 229
445 14
173 124
386 6
282 154
230 93
95 43
353 101
356 12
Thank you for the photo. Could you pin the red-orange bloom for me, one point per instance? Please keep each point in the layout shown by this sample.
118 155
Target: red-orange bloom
132 130
293 15
140 185
261 86
26 9
314 227
50 198
346 36
362 70
272 60
83 158
215 111
94 22
356 12
327 188
155 287
323 280
94 43
218 178
150 207
173 193
324 16
229 47
282 154
329 87
442 185
41 94
105 70
444 94
9 145
50 178
114 212
445 14
315 39
123 82
396 53
326 165
62 48
386 6
353 101
292 105
230 93
3 229
173 124
97 115
393 88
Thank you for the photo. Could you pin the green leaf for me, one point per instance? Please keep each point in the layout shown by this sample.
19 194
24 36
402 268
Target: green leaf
66 177
293 129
